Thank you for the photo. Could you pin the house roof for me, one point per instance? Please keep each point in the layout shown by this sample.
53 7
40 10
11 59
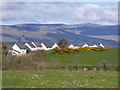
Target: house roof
30 43
8 46
106 46
98 46
21 46
75 44
38 44
70 44
89 44
48 45
27 48
16 51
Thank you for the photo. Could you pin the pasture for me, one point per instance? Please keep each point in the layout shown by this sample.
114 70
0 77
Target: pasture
84 58
59 79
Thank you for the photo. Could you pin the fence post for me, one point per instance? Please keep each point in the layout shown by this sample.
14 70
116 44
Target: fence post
54 67
66 68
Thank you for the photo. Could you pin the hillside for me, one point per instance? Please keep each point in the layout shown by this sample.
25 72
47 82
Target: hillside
88 32
85 58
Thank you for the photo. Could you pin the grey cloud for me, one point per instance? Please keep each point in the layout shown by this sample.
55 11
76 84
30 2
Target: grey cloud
44 12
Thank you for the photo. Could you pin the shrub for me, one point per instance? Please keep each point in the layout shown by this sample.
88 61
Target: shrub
55 50
104 65
61 52
70 50
98 49
31 61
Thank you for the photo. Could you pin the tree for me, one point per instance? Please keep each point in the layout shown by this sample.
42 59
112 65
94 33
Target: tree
63 43
104 65
3 47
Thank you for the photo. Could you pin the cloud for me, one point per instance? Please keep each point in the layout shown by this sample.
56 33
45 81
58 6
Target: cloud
106 23
51 22
93 12
59 12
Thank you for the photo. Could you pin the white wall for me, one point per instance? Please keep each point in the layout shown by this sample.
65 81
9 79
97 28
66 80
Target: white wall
32 49
101 45
37 48
71 46
14 52
85 45
54 46
15 47
22 51
44 47
93 46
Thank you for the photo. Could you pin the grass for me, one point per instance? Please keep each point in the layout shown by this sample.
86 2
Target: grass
59 79
66 79
84 58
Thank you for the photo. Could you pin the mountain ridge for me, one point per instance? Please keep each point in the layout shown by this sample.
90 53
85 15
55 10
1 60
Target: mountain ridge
86 32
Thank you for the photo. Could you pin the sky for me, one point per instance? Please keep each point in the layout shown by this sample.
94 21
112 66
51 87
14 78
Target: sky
105 13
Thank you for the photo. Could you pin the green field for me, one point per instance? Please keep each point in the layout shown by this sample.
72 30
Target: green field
66 79
59 79
84 58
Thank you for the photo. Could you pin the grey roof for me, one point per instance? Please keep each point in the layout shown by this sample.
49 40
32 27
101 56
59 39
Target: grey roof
16 51
99 46
87 44
8 46
21 45
27 48
30 43
75 44
38 44
106 46
48 45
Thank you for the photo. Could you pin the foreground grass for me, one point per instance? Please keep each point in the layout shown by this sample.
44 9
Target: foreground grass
59 79
84 58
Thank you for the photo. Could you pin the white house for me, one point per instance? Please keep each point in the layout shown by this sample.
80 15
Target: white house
71 46
14 52
102 45
105 45
31 46
44 46
37 45
54 46
20 47
94 46
10 50
85 45
76 47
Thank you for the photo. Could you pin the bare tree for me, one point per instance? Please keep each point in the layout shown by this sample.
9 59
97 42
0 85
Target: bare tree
63 43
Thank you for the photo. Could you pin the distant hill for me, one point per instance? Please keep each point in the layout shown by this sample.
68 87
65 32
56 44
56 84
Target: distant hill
80 33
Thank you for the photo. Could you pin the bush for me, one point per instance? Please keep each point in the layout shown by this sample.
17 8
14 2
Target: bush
61 52
105 65
70 50
98 49
32 61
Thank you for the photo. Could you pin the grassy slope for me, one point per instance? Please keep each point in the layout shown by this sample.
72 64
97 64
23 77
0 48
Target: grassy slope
59 79
84 58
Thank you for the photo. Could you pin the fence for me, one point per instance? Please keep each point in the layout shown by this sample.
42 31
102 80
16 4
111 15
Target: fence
77 67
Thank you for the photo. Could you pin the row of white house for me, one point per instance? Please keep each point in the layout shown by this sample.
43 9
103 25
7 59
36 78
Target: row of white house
20 48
